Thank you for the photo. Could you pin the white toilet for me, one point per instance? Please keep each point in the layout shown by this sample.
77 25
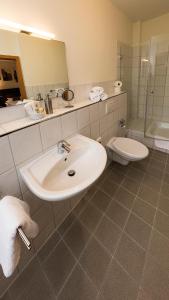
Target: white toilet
123 150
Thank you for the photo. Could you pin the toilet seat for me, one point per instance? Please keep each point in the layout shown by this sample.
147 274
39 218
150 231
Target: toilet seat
128 148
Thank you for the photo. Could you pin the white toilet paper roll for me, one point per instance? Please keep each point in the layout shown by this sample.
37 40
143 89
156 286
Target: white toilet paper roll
118 84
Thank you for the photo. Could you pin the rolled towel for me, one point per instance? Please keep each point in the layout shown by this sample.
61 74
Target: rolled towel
14 213
97 90
94 97
104 96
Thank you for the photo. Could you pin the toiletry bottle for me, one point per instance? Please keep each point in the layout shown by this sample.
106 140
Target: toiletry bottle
48 105
39 105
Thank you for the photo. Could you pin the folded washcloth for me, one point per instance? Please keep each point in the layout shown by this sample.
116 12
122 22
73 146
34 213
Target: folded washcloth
14 213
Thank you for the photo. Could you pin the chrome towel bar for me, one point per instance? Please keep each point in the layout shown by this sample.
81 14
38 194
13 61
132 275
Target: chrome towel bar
24 238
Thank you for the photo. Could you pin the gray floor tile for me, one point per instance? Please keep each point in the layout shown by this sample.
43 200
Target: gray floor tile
156 164
148 195
6 297
116 176
108 234
66 224
131 185
141 165
152 182
165 189
58 266
161 156
143 296
131 257
83 202
76 238
102 177
138 230
124 197
78 287
155 172
164 204
117 213
167 167
135 174
109 187
144 210
49 246
118 285
32 285
166 177
95 261
101 200
100 297
90 217
155 281
119 168
59 269
159 249
162 223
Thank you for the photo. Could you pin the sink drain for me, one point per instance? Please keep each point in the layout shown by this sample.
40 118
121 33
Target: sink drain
71 172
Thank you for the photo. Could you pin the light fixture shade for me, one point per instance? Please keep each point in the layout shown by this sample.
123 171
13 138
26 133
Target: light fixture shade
16 27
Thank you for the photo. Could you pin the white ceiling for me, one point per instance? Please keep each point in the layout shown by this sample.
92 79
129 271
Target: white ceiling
143 9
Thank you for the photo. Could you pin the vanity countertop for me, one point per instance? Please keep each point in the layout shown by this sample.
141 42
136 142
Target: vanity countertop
18 124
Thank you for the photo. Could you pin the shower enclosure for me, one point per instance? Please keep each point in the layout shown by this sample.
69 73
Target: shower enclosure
157 92
145 73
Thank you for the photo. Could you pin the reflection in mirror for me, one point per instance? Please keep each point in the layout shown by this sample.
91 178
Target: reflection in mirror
12 86
29 66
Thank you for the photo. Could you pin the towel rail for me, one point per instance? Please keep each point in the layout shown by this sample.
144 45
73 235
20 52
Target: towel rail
24 238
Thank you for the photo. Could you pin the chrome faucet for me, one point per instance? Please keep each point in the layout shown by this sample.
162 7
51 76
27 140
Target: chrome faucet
63 146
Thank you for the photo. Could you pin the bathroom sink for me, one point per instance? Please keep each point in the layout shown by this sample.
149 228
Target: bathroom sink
56 176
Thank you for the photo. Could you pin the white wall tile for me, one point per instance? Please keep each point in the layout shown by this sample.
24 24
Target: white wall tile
102 108
25 143
85 131
69 124
50 132
95 130
94 112
83 118
9 184
6 159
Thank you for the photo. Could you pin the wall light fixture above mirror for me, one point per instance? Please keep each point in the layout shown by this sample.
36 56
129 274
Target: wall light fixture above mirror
30 65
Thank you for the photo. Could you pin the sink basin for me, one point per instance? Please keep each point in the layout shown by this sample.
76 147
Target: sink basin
57 176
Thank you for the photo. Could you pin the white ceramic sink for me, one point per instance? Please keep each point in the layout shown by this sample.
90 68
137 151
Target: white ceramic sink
47 176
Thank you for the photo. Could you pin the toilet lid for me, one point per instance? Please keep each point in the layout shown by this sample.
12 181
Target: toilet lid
130 147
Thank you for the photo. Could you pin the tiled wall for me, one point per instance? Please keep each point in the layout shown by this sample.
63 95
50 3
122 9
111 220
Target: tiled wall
124 70
157 81
26 144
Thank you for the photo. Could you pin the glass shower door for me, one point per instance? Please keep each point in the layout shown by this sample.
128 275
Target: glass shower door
157 96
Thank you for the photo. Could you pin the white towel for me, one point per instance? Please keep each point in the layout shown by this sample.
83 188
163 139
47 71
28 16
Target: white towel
13 214
95 93
94 97
98 90
104 96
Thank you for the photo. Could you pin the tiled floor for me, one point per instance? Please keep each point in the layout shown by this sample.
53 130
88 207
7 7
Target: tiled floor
113 246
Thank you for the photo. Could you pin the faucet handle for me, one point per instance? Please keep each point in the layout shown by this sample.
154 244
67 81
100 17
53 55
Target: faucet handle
63 145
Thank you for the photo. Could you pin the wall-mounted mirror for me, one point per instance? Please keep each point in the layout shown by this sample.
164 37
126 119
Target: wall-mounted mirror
30 65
